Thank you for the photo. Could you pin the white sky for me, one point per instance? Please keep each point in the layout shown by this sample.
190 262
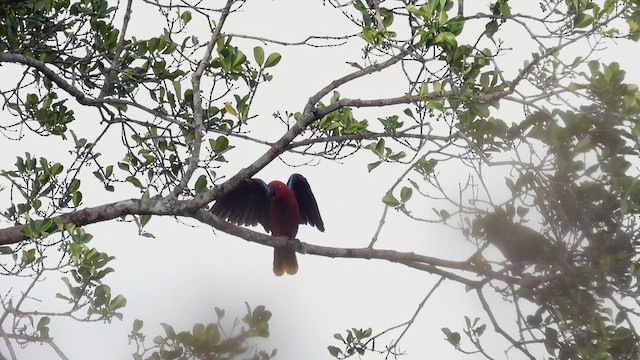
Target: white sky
184 272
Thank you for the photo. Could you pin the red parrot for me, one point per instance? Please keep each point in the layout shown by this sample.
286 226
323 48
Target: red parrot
279 208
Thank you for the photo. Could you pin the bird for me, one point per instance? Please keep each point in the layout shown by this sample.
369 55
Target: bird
518 243
278 207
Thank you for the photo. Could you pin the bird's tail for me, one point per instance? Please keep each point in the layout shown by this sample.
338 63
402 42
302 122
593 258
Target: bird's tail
284 260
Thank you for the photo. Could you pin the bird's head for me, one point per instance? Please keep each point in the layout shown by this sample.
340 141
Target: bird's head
494 224
277 190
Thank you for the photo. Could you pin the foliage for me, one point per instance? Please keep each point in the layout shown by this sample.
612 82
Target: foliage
356 341
207 341
165 113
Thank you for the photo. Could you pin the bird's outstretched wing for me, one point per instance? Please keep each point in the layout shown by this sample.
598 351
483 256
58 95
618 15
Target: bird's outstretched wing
309 213
248 204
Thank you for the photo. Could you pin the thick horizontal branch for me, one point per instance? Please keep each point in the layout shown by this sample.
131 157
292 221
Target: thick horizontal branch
106 212
159 207
15 234
421 262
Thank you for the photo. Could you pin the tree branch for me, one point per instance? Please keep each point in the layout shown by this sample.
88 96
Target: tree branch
87 216
410 259
122 208
498 328
415 314
51 75
310 114
118 51
196 77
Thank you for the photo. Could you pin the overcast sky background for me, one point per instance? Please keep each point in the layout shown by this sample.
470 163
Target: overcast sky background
187 269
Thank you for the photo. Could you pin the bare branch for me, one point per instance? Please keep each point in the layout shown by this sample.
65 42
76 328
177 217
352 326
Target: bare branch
118 51
197 102
415 314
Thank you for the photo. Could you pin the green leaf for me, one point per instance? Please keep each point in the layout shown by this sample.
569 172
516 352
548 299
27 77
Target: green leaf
168 329
5 250
56 169
390 200
98 175
610 70
134 181
452 337
272 60
583 20
551 340
118 302
220 145
373 165
137 325
152 44
74 186
42 327
171 47
229 107
355 65
76 198
201 184
212 334
505 9
45 225
334 351
219 313
239 59
177 86
480 329
258 54
409 113
185 17
44 321
379 148
32 99
199 332
398 156
388 18
491 28
405 194
446 38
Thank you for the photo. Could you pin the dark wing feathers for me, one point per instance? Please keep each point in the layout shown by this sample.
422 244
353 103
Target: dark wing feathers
309 213
248 204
